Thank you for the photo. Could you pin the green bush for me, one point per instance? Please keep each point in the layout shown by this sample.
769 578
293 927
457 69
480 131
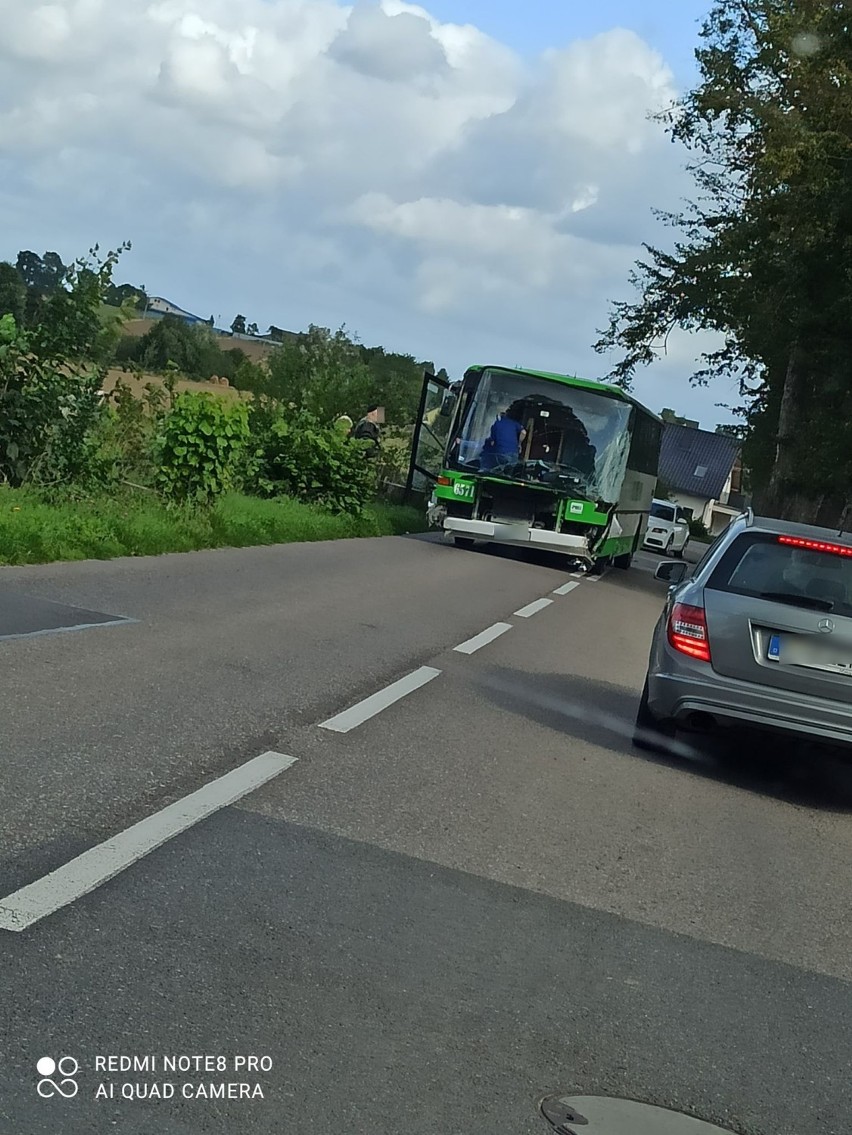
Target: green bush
47 412
298 456
202 439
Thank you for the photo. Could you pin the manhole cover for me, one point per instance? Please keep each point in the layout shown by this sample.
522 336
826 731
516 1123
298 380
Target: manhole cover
601 1115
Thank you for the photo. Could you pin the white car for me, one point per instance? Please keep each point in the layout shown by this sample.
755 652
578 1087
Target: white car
668 529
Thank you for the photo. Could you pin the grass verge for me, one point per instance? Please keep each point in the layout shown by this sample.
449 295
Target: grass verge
37 531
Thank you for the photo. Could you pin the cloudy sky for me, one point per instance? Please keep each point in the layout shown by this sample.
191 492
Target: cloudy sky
467 181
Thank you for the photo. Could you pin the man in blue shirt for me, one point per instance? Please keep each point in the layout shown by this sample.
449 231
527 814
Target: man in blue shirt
504 443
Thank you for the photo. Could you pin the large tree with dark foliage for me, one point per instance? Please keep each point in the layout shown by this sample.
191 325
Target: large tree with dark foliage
764 253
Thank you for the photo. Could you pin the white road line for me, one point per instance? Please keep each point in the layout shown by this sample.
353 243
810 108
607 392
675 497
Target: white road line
567 588
369 707
483 639
533 608
65 630
100 864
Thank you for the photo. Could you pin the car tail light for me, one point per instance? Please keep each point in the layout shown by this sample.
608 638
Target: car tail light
445 480
688 631
815 545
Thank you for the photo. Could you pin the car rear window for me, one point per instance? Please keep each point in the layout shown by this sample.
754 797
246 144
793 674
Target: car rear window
761 566
662 512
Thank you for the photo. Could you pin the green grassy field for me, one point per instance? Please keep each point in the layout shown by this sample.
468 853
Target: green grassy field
37 531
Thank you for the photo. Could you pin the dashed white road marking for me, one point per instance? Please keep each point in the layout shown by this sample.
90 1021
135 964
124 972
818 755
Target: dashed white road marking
567 588
483 638
100 864
375 703
533 608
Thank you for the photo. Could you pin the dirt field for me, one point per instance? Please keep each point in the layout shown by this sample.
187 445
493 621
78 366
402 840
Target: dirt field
137 385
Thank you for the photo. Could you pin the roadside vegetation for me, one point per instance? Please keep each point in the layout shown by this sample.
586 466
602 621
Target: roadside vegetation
34 530
761 256
90 469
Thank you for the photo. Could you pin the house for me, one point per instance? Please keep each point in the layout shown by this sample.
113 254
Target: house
159 307
703 473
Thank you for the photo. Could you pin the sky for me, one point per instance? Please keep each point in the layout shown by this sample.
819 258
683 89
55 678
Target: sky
467 181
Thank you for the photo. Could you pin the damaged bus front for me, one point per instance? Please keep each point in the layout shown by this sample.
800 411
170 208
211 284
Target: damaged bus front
537 459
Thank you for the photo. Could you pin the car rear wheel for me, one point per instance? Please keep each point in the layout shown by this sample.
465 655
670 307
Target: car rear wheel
680 554
650 734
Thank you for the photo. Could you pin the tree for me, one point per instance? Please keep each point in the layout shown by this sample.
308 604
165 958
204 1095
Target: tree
41 273
320 372
239 325
50 380
729 430
125 294
396 384
13 293
763 253
171 340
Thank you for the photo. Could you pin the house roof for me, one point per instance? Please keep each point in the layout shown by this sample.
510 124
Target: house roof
696 461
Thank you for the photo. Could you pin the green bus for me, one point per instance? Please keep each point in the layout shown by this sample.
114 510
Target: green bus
528 458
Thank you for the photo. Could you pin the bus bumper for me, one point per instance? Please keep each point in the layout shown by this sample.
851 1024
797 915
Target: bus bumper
519 534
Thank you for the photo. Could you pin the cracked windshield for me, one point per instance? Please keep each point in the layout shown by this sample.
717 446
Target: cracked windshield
425 567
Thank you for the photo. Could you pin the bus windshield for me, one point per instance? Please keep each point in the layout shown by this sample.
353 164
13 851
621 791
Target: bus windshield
536 430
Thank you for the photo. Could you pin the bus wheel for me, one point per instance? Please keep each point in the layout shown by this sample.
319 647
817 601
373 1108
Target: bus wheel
463 541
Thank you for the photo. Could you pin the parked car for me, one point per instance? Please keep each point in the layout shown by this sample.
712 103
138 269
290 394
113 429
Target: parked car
758 635
668 529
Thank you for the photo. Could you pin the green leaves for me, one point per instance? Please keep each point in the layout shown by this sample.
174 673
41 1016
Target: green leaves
202 441
299 456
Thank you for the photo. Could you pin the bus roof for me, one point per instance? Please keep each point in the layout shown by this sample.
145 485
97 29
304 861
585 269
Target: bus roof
571 380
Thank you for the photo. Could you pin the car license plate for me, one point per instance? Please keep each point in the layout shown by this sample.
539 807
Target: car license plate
797 651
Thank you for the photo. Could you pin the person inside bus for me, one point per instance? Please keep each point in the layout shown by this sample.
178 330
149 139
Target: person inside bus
503 446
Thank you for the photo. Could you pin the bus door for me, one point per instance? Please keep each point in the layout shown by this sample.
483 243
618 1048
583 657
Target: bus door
431 433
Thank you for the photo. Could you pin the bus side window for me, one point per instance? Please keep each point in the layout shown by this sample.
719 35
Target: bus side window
645 444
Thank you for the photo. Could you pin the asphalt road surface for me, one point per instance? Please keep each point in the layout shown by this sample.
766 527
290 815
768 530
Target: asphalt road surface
428 886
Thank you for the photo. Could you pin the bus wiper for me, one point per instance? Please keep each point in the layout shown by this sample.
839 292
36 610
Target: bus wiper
794 600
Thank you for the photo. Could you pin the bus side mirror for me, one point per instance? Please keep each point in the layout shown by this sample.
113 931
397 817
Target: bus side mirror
671 573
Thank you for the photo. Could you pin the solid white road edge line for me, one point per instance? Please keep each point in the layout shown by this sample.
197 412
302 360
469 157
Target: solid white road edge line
566 588
483 638
369 707
100 864
533 608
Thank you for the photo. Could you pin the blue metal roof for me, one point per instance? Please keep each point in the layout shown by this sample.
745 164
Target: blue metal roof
696 461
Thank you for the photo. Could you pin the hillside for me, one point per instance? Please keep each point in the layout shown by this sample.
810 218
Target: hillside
256 351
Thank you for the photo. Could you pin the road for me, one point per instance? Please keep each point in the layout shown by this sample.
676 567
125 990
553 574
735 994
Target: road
432 916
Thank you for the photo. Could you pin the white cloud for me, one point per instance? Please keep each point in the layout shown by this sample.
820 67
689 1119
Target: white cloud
305 161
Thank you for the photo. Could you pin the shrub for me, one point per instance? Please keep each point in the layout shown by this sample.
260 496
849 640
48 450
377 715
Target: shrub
202 439
298 456
47 412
